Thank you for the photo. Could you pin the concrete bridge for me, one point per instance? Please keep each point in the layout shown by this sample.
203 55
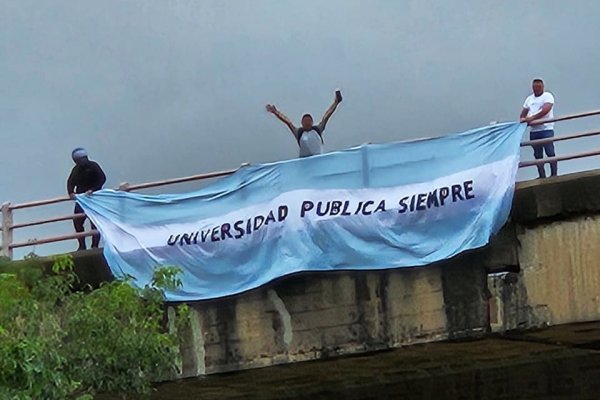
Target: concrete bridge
537 284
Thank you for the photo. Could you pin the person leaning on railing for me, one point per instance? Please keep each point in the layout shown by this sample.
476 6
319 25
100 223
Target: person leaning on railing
86 177
540 106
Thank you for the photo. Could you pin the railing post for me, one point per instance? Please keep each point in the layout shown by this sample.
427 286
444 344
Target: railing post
7 230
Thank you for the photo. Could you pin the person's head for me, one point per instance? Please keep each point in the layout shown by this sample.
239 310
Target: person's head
538 87
79 155
307 121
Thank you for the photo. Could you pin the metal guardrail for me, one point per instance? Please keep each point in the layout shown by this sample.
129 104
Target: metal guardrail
7 228
7 209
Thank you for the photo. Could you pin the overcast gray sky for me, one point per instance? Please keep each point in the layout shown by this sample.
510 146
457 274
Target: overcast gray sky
158 89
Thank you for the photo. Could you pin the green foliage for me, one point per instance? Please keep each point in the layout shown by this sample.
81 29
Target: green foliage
166 278
59 344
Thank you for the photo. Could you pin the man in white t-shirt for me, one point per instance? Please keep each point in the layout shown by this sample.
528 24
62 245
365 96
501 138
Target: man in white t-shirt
538 107
309 136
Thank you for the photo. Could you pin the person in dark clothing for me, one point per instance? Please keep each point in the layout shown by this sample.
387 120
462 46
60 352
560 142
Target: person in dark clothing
86 177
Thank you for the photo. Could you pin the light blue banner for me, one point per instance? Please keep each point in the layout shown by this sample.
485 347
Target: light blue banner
370 207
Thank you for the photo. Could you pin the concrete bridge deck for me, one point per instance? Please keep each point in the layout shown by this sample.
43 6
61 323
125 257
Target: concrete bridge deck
561 362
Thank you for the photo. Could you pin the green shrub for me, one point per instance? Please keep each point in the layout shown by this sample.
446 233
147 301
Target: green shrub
59 344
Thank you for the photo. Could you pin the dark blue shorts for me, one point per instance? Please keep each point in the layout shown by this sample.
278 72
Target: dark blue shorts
535 135
538 150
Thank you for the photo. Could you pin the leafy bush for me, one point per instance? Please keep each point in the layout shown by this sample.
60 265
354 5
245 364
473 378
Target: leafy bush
59 344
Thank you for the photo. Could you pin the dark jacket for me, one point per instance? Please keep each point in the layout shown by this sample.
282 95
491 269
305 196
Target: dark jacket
84 177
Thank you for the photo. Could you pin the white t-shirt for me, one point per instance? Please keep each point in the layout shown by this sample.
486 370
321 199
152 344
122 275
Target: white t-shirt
535 104
310 144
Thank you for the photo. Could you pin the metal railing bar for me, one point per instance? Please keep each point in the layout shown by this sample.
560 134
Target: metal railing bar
135 187
47 221
567 157
40 203
566 117
181 180
52 239
559 138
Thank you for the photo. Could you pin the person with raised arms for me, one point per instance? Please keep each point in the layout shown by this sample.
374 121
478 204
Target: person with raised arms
309 136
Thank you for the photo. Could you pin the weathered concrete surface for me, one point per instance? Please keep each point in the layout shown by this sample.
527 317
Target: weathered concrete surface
539 201
556 363
558 280
307 317
560 268
90 266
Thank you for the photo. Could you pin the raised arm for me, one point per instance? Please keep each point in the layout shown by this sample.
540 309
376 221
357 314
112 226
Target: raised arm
331 110
281 116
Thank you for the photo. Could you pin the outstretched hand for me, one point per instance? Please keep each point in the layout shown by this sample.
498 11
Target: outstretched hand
271 108
338 96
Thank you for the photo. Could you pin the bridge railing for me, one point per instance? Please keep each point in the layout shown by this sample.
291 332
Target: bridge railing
573 156
8 226
7 209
